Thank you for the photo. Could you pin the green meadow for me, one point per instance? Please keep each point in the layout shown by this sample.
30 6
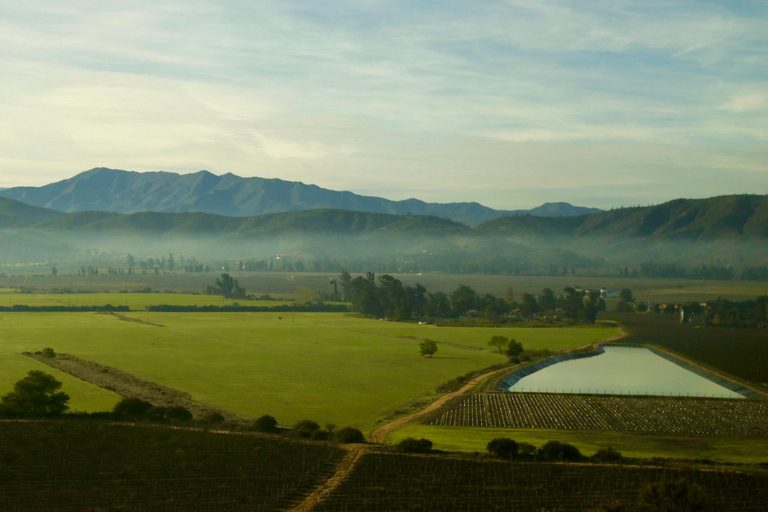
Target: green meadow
329 367
475 439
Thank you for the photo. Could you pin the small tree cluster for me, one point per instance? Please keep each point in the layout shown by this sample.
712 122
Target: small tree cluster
134 409
411 445
35 396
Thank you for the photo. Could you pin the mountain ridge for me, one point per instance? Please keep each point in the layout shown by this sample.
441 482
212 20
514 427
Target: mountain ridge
120 191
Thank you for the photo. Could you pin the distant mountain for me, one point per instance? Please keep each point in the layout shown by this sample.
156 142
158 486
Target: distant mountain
723 217
119 191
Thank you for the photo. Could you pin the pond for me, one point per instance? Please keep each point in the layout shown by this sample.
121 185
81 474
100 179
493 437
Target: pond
617 370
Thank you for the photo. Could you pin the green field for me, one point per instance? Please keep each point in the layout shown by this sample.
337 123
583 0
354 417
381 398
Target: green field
475 439
329 367
132 300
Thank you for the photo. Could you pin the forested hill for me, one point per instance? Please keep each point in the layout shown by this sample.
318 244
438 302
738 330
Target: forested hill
314 222
15 214
723 217
120 191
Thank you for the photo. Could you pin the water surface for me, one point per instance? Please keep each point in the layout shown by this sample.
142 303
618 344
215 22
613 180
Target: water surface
621 370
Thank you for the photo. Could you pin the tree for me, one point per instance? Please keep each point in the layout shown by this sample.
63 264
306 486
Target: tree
547 300
131 408
502 447
626 295
54 271
555 450
36 395
349 435
463 299
427 348
411 445
266 423
229 287
499 342
514 348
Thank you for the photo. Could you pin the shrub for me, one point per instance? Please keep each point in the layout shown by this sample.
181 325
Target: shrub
350 435
555 450
131 408
212 417
502 447
607 455
178 414
266 423
48 352
679 495
411 445
526 449
305 428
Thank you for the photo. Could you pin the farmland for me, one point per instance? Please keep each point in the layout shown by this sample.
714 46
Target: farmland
401 482
742 353
667 415
58 466
324 366
283 285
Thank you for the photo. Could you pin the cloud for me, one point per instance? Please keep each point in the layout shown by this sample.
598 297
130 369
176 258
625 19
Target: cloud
746 102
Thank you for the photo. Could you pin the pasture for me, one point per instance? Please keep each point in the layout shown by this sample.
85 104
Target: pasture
329 367
132 300
747 450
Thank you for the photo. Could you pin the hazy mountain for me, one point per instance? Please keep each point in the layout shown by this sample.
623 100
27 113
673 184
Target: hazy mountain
129 192
15 214
311 222
723 217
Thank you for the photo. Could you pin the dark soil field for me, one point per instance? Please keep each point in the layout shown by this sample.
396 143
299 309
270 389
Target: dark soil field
742 353
89 465
667 415
389 482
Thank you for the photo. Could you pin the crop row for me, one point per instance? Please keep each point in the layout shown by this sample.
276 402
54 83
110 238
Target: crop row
417 483
74 465
600 412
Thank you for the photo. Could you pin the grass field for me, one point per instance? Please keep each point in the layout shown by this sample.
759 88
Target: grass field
475 439
328 367
84 397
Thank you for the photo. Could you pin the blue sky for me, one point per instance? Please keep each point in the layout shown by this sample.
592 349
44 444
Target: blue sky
508 103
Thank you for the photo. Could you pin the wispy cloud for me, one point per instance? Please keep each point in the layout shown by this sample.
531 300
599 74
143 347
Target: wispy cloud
392 95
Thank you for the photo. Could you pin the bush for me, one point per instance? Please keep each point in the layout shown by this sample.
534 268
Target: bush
607 455
35 396
679 495
555 450
502 447
350 435
48 352
526 449
212 418
178 414
411 445
266 423
305 428
131 408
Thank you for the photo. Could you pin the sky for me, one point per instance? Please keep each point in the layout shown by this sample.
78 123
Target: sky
510 103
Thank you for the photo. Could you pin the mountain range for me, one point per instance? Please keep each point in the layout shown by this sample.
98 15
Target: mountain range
118 191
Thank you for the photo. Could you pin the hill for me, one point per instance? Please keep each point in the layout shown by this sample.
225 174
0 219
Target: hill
120 191
717 218
15 214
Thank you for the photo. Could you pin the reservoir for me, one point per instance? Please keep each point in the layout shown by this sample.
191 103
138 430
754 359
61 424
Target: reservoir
617 370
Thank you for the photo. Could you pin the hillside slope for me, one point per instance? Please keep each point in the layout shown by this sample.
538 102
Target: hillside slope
716 218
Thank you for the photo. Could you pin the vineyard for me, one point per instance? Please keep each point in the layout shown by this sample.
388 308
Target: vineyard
697 416
388 482
58 466
739 352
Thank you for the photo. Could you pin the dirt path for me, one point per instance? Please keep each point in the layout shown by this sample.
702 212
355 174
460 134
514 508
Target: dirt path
127 385
380 434
345 468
